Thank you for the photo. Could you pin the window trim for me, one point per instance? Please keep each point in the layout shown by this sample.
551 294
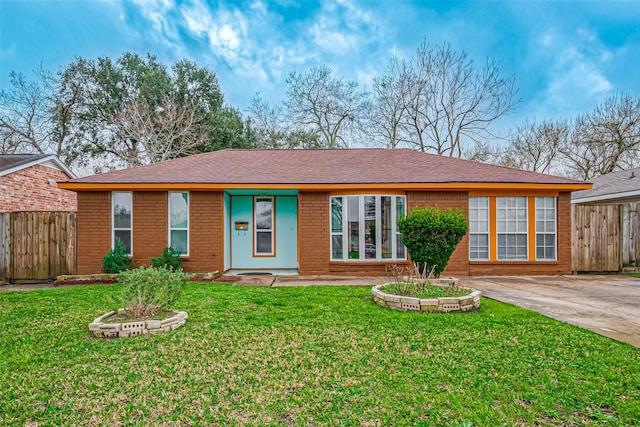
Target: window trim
514 233
361 228
187 228
113 220
272 230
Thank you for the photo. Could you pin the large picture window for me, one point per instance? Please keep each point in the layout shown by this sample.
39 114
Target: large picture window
503 228
546 228
263 213
122 220
364 227
179 222
512 227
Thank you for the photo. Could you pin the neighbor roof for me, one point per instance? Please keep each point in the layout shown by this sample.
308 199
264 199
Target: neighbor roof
10 163
305 168
612 187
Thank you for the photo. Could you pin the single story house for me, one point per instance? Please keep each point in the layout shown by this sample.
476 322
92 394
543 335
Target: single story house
322 212
28 182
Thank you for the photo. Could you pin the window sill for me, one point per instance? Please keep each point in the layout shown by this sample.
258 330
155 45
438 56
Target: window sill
512 262
368 262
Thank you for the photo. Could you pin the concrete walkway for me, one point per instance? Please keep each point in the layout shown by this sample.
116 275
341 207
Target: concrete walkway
607 305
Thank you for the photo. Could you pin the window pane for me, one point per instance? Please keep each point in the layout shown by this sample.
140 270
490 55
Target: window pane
336 214
263 242
370 227
264 208
336 247
385 211
179 210
122 210
125 237
353 203
179 241
400 249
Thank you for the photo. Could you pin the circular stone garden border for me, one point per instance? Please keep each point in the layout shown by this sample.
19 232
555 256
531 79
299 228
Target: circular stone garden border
129 329
438 305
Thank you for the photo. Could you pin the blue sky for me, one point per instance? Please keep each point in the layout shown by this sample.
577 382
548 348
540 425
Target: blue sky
566 55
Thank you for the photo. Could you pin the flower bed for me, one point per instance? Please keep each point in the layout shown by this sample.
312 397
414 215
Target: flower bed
103 329
441 305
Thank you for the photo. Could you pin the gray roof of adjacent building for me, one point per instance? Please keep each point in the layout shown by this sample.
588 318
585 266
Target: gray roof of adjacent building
10 163
613 187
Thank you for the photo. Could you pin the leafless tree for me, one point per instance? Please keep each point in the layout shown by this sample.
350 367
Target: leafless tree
536 146
322 105
32 118
606 139
169 131
383 116
446 101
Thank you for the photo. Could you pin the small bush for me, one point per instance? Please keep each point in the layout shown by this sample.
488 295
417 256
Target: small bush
431 235
145 292
169 258
117 260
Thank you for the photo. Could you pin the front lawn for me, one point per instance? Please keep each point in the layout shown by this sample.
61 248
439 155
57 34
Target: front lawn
307 356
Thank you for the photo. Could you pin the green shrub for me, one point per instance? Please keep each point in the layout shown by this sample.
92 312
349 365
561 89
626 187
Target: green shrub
169 258
117 260
145 292
431 235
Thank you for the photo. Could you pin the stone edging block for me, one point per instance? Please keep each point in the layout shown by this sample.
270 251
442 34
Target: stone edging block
128 329
439 305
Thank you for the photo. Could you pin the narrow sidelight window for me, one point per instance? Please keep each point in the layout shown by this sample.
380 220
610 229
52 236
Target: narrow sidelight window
546 228
263 218
478 228
179 222
122 221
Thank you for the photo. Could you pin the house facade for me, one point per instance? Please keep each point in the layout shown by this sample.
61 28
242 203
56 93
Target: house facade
28 182
322 212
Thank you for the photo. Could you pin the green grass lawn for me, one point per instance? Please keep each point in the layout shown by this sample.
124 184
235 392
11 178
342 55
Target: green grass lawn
307 356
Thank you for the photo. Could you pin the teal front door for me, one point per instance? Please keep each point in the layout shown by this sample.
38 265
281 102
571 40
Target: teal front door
264 232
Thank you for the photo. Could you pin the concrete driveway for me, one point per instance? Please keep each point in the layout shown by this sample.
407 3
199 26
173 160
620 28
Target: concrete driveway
607 305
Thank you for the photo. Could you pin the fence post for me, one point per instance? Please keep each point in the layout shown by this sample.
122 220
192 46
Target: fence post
5 246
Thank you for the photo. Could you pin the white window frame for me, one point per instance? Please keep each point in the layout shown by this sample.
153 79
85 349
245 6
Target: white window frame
264 230
186 254
395 235
113 220
506 233
478 221
546 233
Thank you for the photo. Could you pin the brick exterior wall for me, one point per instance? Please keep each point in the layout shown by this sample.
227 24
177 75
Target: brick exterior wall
206 231
313 233
150 225
206 234
459 261
29 189
93 230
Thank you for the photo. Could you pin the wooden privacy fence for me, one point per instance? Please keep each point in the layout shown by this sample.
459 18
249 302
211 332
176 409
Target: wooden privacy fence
605 237
37 245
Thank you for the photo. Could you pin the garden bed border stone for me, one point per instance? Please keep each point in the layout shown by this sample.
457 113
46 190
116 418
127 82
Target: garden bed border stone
464 303
101 329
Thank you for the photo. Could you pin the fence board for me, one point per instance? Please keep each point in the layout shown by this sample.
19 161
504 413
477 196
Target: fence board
630 256
596 237
37 245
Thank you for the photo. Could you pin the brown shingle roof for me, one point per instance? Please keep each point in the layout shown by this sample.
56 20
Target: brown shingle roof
352 166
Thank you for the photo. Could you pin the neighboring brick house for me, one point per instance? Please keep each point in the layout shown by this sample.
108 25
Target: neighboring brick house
322 212
28 182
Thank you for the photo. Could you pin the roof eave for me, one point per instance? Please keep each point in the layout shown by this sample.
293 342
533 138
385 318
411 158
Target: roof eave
451 186
51 157
604 197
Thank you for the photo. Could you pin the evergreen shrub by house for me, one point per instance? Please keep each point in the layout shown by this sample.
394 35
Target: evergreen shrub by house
117 260
431 235
147 291
169 258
